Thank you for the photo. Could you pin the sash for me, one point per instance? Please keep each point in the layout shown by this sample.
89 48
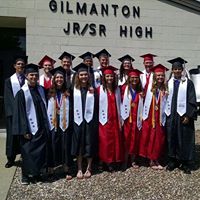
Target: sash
15 84
63 116
126 108
89 107
30 108
97 78
103 105
143 78
123 80
148 99
41 81
181 98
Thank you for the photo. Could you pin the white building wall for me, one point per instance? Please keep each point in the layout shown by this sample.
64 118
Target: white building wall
176 31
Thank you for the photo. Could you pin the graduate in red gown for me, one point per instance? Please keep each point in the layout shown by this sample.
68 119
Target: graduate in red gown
126 65
110 136
147 76
152 140
131 112
47 63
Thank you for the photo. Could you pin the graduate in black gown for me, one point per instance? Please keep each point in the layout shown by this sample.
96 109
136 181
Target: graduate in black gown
59 114
30 121
66 62
12 85
85 124
181 111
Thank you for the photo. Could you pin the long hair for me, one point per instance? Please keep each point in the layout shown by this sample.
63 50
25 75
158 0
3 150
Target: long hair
122 71
77 82
53 88
114 84
155 86
138 88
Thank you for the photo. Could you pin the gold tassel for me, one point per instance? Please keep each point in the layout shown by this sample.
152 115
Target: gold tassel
153 111
161 108
130 116
55 114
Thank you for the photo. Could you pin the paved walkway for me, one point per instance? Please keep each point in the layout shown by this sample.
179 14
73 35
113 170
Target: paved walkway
5 174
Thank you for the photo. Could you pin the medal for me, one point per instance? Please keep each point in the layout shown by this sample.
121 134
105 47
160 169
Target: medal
156 107
132 104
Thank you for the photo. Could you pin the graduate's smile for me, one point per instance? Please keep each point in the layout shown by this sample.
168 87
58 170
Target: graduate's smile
59 80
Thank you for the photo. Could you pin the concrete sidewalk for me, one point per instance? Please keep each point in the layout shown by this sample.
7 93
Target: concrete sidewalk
5 174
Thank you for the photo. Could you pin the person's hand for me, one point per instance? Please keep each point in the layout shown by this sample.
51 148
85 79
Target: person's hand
185 120
27 136
91 90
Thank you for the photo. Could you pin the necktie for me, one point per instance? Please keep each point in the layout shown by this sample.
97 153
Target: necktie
176 83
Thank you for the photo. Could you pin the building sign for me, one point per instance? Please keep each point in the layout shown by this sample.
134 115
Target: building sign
103 11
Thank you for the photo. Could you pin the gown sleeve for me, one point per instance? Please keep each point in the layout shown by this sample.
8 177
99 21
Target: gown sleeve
20 123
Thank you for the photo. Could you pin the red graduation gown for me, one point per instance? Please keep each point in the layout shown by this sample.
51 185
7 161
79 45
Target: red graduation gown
152 140
131 132
110 136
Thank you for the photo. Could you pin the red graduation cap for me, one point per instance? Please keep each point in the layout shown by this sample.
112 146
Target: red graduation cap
109 69
148 56
159 68
134 72
46 58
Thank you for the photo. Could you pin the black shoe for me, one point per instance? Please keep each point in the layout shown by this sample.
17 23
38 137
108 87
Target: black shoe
9 164
25 180
171 166
185 169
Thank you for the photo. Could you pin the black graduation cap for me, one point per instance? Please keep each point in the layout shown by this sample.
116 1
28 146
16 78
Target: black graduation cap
103 52
177 62
21 57
126 57
58 70
67 55
87 55
31 68
81 67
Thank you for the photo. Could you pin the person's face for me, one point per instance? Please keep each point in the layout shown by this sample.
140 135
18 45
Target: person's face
134 80
109 78
59 80
160 77
19 67
88 62
83 77
47 65
148 65
177 71
66 63
127 65
32 78
104 61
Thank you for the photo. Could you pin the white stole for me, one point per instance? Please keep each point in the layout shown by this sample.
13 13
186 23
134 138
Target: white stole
30 108
143 77
42 80
125 108
50 112
124 79
15 84
97 78
148 99
181 98
103 105
89 107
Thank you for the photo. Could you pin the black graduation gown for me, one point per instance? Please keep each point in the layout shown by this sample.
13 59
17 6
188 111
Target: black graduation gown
33 151
180 137
60 144
12 142
84 137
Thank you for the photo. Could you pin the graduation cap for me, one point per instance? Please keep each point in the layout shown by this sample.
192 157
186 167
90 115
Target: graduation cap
134 72
81 67
103 52
159 68
21 57
87 55
58 70
148 56
177 62
46 58
126 57
66 55
31 68
108 70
